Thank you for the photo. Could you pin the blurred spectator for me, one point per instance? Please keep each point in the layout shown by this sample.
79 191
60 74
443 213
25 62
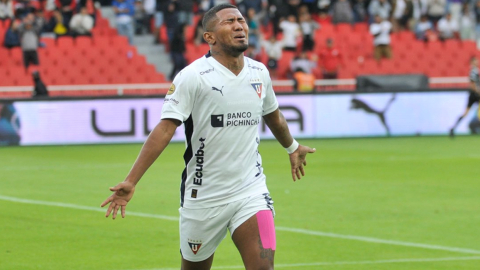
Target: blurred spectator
177 50
39 89
308 26
454 7
6 10
359 11
11 36
330 60
303 62
303 81
291 33
423 27
402 14
381 8
252 52
476 12
253 29
323 7
342 12
124 10
185 11
203 5
66 7
447 28
171 19
273 48
436 10
22 7
139 17
467 23
29 33
56 24
81 23
160 9
9 124
381 29
149 7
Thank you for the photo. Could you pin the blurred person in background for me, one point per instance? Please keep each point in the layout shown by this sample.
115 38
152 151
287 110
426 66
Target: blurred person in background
124 10
308 27
303 81
171 19
139 17
381 30
342 12
403 14
81 23
423 28
185 11
29 33
330 60
436 9
253 29
11 36
66 7
474 93
380 8
273 48
6 10
291 33
476 12
454 7
160 10
39 90
467 23
304 62
448 28
22 8
149 7
56 24
359 11
9 124
177 50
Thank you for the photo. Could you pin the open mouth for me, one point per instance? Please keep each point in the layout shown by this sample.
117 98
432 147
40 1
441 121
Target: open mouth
239 37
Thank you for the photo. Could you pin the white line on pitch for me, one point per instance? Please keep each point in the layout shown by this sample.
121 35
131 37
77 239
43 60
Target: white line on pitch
279 228
410 260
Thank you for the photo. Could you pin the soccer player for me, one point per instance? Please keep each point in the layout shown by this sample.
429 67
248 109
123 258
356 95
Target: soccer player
474 96
220 98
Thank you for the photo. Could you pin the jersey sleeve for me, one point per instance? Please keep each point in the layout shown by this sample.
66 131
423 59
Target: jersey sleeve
180 98
270 102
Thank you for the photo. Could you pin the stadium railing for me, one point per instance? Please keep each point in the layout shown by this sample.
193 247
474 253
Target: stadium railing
280 86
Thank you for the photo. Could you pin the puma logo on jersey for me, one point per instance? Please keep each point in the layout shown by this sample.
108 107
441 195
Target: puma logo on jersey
216 89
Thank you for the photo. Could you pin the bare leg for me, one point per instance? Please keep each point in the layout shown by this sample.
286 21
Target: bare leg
248 242
203 265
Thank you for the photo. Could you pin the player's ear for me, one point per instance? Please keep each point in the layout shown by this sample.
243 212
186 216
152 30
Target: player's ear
209 37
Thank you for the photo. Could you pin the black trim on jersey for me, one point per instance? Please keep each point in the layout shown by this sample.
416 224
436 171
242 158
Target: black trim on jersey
187 156
208 54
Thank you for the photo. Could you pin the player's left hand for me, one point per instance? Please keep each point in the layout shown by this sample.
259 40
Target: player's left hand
298 161
122 193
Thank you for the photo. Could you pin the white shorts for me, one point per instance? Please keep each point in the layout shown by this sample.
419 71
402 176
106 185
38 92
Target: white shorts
202 230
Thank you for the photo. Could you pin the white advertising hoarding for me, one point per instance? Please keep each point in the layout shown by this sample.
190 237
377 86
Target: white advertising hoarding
308 116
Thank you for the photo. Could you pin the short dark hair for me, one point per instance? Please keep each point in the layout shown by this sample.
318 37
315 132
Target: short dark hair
211 14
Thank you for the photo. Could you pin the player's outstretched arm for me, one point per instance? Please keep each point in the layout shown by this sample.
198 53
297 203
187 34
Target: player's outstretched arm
156 142
278 125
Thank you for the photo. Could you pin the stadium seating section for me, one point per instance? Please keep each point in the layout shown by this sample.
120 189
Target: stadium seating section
104 58
107 58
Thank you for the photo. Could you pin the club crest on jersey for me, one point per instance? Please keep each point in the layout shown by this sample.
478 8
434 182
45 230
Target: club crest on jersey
258 86
194 245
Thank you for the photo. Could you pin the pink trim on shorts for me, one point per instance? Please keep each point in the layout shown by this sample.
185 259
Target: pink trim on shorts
266 228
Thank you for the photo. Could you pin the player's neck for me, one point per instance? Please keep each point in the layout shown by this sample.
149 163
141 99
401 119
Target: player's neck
233 63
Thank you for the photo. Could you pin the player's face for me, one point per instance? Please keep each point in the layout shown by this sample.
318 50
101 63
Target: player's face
231 31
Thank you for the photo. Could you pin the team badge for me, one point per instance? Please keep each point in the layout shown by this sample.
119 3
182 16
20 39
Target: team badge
194 245
171 90
258 88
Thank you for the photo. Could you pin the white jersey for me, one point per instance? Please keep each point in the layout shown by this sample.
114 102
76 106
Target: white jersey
221 112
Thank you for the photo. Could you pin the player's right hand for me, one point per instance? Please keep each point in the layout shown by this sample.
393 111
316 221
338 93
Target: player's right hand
123 192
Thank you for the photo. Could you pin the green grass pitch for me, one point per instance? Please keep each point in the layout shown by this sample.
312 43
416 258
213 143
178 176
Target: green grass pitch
375 203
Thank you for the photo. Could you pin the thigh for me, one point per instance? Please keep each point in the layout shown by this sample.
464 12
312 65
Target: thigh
201 231
253 232
255 240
